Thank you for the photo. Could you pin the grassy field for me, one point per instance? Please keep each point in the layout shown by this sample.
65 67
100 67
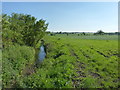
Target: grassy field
93 60
89 36
73 62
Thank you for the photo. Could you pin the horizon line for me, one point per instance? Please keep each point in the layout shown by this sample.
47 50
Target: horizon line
84 31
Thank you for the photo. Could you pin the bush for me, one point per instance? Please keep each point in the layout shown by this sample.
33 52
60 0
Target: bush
21 28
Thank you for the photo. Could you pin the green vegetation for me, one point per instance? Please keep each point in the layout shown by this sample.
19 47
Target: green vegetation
100 32
72 61
15 58
20 35
22 29
94 62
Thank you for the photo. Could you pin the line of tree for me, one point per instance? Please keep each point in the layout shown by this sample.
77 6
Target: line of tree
22 29
100 32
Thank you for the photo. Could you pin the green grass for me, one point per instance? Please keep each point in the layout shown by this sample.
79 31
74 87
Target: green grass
14 59
94 37
73 62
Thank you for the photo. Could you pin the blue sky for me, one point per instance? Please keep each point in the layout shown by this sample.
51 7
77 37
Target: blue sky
70 16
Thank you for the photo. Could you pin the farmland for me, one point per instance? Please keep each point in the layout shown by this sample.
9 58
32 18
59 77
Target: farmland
71 45
93 62
71 62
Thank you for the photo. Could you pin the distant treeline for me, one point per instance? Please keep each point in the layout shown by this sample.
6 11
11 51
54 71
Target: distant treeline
115 33
85 33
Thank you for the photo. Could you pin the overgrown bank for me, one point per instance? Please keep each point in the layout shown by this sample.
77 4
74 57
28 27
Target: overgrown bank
20 35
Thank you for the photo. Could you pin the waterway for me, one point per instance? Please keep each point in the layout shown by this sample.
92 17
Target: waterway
42 54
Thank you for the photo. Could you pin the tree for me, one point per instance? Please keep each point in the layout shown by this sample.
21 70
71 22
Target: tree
39 30
100 32
23 28
83 33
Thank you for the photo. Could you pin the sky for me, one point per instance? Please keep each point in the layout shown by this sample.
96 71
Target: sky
60 0
70 16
